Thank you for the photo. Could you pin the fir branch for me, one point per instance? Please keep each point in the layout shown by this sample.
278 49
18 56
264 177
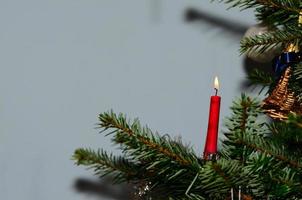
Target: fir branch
295 80
289 5
288 180
265 42
270 176
288 134
296 121
219 177
218 169
273 13
244 115
259 144
259 172
143 142
103 164
259 77
276 18
297 71
243 121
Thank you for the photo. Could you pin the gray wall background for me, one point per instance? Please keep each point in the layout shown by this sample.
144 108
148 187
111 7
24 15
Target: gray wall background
64 61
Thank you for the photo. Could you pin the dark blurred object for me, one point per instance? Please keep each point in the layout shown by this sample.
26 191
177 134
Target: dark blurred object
193 15
104 188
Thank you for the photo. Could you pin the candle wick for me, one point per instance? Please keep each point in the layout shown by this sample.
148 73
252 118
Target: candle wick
216 91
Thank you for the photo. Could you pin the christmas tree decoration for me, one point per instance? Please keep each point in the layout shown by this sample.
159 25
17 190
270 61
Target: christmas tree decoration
259 159
210 149
141 191
282 100
254 54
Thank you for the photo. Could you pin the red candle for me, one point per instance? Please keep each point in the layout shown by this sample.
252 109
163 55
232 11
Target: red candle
210 148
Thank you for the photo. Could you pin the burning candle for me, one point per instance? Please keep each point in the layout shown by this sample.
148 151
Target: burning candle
210 149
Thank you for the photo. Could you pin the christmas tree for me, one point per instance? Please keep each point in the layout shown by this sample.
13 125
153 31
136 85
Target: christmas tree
260 155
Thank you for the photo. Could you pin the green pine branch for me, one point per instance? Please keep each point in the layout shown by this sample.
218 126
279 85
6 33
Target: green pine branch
297 72
267 176
120 168
249 142
267 41
289 134
295 80
262 145
276 18
273 13
289 5
243 121
170 166
141 142
259 77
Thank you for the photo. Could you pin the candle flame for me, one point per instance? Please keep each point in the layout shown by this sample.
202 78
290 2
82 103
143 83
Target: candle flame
216 83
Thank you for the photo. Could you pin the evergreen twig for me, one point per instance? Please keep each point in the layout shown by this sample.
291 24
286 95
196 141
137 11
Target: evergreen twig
266 41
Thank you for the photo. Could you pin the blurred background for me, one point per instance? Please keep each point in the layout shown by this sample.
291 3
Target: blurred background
65 61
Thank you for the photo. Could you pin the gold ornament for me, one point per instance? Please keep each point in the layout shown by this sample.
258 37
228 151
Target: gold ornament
282 101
